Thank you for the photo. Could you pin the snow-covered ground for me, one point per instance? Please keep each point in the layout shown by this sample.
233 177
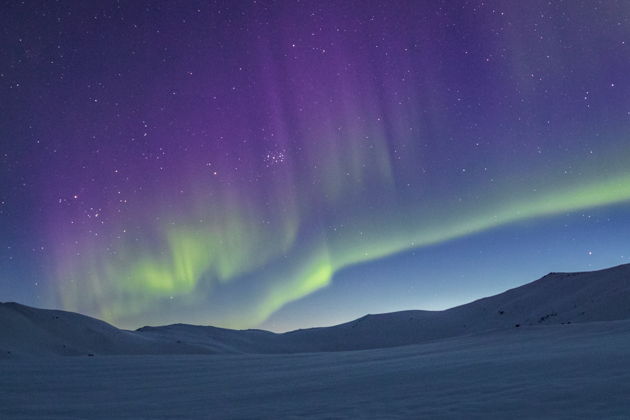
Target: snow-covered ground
560 371
558 347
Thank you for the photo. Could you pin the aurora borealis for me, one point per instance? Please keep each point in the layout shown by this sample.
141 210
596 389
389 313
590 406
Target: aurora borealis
240 163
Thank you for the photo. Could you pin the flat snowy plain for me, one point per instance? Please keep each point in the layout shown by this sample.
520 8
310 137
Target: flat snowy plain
553 371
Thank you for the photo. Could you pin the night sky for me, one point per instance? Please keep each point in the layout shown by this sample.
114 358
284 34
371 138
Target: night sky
285 164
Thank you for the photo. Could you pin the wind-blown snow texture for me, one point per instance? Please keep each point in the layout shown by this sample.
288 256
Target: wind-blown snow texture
569 358
561 371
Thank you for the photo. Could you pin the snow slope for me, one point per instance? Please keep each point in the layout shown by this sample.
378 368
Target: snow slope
30 331
558 298
576 371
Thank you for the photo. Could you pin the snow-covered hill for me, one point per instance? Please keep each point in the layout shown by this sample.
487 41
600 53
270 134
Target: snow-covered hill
558 298
31 331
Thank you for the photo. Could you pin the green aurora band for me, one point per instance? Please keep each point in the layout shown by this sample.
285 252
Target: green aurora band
189 255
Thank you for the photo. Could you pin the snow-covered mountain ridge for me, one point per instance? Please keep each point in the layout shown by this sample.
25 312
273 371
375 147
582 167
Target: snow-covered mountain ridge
557 298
